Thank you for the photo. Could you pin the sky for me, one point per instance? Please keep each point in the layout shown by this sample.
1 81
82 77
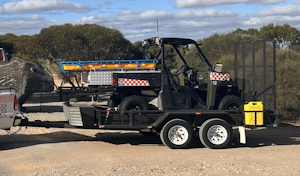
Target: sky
137 19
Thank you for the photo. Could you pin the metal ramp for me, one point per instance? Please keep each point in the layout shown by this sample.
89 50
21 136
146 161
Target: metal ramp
255 72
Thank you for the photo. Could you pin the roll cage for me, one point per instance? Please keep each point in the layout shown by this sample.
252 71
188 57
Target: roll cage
175 42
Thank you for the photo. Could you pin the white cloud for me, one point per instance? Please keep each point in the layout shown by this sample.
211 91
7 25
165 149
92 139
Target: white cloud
210 3
203 13
147 15
150 14
25 25
280 15
258 22
37 6
291 10
129 13
136 25
296 2
196 24
34 17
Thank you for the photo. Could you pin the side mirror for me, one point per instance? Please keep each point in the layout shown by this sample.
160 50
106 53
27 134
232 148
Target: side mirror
218 68
151 42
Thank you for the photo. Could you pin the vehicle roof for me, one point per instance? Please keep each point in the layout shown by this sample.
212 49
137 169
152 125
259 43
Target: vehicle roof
168 40
178 41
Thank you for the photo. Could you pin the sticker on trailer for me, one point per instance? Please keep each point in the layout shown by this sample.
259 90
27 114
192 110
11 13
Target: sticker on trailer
3 111
7 98
132 82
218 76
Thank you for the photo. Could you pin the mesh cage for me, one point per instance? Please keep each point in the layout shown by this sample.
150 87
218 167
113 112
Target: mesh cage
255 72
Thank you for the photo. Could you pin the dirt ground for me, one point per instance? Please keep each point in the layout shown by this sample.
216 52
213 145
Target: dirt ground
41 151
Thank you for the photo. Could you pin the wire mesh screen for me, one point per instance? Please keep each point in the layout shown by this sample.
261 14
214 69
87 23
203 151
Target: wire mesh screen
255 71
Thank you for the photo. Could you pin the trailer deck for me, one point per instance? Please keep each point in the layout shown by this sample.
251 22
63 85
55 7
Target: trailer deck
101 117
154 121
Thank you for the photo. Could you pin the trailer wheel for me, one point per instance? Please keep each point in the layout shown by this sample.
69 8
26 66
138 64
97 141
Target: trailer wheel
230 102
133 102
215 134
177 134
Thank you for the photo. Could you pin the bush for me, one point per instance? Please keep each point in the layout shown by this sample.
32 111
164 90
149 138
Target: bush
288 94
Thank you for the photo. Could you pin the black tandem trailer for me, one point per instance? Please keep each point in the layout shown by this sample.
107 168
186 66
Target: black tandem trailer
177 122
177 128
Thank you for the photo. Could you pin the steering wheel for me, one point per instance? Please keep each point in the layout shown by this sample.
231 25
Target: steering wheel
182 69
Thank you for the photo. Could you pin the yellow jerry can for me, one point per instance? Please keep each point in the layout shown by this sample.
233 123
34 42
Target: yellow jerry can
254 113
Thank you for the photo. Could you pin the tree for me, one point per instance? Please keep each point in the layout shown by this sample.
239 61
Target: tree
83 42
218 46
137 50
7 42
285 35
171 57
25 47
249 32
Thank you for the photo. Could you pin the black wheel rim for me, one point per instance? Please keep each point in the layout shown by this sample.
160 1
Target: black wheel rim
232 106
134 107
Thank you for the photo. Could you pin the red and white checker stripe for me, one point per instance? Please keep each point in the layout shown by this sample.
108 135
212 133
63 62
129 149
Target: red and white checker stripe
132 82
7 98
218 76
3 113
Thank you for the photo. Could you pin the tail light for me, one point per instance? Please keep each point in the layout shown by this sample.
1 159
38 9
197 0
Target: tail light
114 80
15 103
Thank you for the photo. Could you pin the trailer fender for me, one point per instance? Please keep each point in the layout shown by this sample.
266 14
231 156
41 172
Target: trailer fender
167 116
200 119
194 118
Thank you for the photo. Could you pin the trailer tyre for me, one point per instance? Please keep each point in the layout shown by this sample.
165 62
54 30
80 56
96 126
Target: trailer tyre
215 134
133 102
230 102
177 134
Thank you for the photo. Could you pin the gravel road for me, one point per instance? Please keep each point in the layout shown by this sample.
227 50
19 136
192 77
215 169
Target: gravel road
41 151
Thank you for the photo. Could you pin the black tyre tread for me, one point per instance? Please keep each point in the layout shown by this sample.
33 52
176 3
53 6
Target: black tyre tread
133 99
110 103
113 101
203 133
168 125
225 101
162 138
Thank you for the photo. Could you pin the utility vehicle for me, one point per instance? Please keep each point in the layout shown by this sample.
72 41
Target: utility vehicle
136 82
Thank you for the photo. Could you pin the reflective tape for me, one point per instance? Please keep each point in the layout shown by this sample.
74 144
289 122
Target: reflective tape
218 76
132 82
